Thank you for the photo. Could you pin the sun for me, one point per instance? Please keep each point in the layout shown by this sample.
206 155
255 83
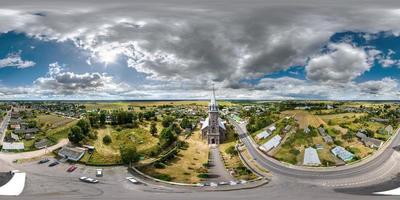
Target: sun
107 57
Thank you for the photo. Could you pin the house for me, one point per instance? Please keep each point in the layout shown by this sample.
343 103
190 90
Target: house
389 129
14 137
342 153
262 135
13 146
43 143
271 129
272 143
29 136
311 157
327 138
369 142
375 119
71 153
27 131
287 128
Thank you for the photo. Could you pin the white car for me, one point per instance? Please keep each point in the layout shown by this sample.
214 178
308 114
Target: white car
88 180
132 180
99 172
212 184
232 183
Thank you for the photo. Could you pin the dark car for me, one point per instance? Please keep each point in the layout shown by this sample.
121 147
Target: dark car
71 168
88 180
54 164
43 161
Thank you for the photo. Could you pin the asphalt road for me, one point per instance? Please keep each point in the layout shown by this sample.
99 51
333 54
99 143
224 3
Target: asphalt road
3 127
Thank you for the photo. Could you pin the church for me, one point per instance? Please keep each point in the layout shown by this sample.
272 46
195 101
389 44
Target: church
213 128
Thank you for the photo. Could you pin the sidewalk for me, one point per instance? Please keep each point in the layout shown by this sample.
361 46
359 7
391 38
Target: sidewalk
217 171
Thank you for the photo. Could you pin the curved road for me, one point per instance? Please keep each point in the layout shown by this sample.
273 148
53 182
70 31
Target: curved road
279 168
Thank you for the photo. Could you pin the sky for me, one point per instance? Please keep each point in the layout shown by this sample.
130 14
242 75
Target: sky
180 49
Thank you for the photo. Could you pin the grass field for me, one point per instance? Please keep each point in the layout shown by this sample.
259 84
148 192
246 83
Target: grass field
109 154
304 118
50 121
188 164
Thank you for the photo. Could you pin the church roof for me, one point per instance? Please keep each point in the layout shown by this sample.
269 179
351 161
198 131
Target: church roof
206 122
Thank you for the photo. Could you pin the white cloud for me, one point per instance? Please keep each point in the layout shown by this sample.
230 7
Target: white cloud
58 81
15 60
342 63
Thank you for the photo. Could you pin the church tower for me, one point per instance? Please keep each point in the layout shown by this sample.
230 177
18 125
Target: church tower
213 128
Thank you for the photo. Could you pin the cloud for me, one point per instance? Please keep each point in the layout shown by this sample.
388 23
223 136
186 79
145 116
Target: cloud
15 60
58 81
342 63
202 41
386 86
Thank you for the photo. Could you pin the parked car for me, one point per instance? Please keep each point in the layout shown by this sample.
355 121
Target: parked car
132 180
99 172
88 180
71 168
232 183
54 164
212 184
223 183
43 161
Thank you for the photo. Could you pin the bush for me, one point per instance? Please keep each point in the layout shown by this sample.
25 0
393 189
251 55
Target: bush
231 150
159 165
164 177
203 175
294 151
107 139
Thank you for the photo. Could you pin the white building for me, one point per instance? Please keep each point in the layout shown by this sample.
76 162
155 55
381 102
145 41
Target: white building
262 135
272 143
311 157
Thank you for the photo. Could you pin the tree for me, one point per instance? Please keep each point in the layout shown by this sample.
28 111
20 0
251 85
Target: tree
231 150
107 139
167 121
76 135
102 118
129 153
167 136
153 128
185 123
85 126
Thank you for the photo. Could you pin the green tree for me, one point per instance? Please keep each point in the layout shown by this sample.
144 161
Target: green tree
102 118
85 126
185 123
107 139
167 137
129 153
167 121
76 135
231 150
153 128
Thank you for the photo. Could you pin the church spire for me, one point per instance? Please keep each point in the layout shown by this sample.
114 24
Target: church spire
213 103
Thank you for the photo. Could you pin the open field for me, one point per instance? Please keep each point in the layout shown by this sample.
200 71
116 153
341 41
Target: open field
304 118
109 154
49 121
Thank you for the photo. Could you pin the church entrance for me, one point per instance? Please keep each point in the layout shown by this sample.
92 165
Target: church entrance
212 141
